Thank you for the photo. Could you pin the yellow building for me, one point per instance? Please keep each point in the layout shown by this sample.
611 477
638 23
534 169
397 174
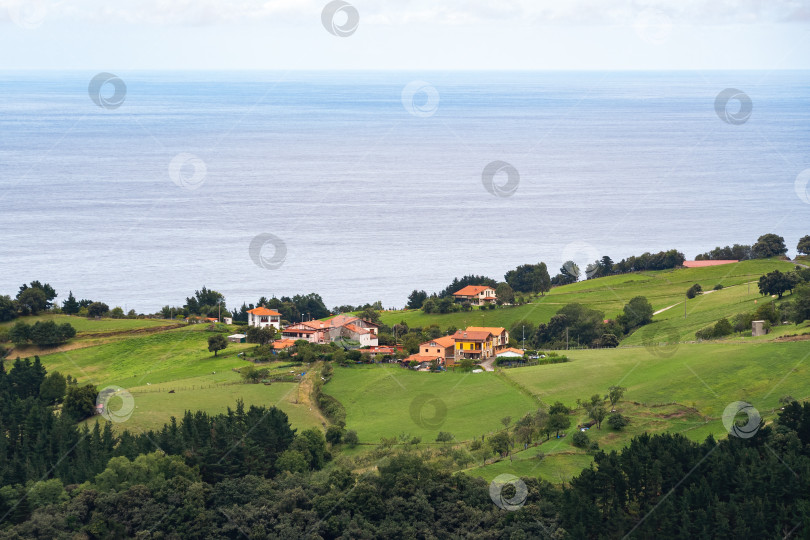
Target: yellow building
500 337
475 345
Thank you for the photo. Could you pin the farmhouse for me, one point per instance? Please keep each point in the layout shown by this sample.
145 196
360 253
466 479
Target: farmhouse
476 345
338 327
261 317
475 294
500 337
443 348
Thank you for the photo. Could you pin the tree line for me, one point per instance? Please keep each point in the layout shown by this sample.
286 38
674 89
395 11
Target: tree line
766 246
246 473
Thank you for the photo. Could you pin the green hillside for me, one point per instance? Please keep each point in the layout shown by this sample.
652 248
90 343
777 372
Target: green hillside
662 288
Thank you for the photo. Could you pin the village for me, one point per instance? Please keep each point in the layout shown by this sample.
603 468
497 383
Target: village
476 345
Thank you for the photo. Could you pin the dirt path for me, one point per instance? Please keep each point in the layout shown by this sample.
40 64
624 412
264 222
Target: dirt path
679 303
486 365
305 388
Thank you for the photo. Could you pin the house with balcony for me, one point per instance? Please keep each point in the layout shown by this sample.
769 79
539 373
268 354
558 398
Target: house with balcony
500 336
477 295
261 317
475 345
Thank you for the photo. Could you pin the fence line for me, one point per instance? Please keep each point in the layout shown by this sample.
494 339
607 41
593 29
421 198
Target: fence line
192 387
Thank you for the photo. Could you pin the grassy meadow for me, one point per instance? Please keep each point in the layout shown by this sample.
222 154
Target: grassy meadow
673 383
662 288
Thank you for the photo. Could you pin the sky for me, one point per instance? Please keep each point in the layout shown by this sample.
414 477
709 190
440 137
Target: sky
404 34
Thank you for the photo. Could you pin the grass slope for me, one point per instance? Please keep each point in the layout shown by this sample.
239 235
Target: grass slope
153 409
662 288
150 365
379 402
85 325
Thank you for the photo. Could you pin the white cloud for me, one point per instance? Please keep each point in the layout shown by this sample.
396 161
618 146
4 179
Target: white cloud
404 12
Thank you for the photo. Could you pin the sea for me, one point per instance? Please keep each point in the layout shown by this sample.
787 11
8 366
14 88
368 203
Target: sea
137 188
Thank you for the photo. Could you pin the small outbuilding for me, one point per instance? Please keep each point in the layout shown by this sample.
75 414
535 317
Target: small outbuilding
237 338
758 328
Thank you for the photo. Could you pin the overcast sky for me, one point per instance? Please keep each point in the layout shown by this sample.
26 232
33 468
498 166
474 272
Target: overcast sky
405 34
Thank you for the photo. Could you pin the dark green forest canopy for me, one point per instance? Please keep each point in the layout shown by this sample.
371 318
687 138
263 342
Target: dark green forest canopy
219 476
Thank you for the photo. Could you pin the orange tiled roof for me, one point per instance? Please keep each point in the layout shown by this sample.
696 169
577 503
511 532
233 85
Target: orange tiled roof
422 358
357 329
494 330
511 349
463 335
263 311
444 341
283 343
701 264
471 290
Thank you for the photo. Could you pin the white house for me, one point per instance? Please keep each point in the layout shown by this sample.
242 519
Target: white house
261 317
511 352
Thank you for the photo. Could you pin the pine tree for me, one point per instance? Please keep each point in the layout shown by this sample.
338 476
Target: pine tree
71 305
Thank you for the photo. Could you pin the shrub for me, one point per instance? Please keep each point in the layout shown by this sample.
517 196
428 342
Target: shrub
580 439
334 434
617 421
694 290
558 408
723 328
718 286
350 438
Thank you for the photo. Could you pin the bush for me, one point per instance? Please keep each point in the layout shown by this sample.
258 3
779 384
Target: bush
723 328
558 408
694 290
350 438
97 309
720 329
718 286
334 434
580 439
617 421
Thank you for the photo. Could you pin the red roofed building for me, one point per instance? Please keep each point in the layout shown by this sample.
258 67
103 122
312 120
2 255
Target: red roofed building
443 347
338 327
261 317
475 294
476 345
701 264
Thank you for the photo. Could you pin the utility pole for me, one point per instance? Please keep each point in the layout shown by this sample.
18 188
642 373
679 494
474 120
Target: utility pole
566 338
684 306
524 337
